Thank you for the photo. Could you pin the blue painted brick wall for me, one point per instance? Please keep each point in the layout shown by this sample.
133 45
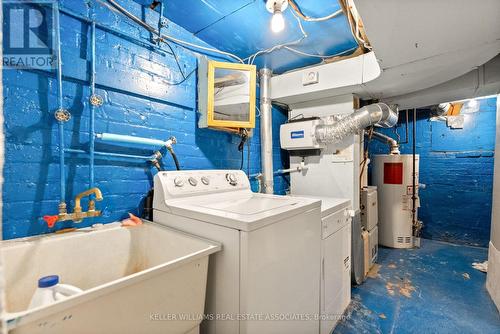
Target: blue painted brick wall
456 165
137 101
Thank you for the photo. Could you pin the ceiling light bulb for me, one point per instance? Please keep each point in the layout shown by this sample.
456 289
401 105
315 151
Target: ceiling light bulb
277 22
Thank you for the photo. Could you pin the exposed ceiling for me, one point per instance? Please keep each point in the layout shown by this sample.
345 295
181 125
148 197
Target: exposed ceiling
242 27
420 44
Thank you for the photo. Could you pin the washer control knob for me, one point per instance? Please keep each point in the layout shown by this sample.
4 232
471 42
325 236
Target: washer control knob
205 180
192 181
178 181
231 178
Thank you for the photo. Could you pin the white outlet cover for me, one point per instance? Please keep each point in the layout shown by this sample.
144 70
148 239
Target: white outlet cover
310 78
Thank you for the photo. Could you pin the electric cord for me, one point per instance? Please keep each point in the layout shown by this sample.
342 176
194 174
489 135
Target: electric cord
174 54
176 59
354 27
248 157
299 12
288 46
242 158
251 59
258 114
183 80
162 37
241 145
320 56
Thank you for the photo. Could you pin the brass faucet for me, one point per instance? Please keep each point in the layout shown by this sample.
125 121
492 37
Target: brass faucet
77 215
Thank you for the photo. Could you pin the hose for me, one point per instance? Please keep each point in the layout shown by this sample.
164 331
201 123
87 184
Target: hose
174 156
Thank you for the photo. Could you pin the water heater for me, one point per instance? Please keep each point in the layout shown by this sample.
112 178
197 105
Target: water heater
392 174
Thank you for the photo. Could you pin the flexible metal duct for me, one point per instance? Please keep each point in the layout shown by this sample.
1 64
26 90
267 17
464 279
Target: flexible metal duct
374 114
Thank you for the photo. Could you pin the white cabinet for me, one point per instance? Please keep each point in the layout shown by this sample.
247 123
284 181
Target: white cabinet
335 268
369 207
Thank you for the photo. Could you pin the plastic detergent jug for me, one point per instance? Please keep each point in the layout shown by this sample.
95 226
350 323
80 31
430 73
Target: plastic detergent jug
49 291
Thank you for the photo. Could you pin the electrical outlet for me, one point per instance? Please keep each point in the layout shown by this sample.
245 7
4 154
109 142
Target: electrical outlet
310 78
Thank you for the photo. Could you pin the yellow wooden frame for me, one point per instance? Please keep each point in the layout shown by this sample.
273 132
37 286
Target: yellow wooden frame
211 122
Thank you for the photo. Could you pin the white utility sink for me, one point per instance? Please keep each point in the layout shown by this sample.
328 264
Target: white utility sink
144 279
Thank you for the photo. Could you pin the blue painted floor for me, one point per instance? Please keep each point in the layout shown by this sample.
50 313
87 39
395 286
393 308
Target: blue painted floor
433 289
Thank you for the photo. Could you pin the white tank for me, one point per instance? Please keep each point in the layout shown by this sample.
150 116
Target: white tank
392 174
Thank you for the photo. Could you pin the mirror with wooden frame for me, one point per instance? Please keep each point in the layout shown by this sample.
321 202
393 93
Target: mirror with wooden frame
227 98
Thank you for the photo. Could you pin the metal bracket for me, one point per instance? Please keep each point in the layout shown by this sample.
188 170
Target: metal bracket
163 22
62 115
96 100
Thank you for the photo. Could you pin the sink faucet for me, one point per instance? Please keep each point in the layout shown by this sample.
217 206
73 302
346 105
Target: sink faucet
78 215
98 197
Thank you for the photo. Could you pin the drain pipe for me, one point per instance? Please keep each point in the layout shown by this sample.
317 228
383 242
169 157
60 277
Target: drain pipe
266 131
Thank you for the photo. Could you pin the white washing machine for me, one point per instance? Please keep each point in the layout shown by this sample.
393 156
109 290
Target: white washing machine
266 279
335 296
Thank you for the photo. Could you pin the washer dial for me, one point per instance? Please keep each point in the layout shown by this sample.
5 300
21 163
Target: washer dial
179 182
232 179
192 181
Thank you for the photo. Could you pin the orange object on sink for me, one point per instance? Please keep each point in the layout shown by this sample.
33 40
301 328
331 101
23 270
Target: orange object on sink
132 221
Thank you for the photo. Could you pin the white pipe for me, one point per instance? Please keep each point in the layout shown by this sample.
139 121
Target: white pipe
124 139
298 169
266 131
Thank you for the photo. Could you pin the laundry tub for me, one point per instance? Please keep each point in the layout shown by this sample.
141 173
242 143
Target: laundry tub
143 279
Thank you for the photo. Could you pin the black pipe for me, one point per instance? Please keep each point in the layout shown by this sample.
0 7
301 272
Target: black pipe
174 156
414 190
406 129
147 213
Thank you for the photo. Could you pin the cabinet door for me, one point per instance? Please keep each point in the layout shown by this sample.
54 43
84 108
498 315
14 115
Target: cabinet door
333 270
346 275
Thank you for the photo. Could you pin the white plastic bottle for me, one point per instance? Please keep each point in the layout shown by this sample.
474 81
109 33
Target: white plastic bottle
49 291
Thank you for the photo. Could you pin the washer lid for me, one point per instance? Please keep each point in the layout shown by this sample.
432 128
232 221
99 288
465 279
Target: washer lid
250 205
242 211
329 205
